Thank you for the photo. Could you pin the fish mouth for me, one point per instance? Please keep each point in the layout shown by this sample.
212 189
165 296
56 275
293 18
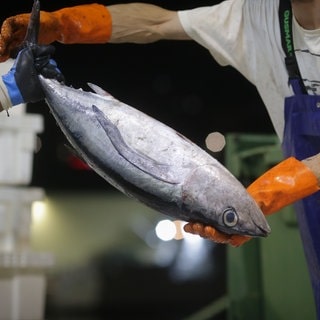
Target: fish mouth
261 231
256 231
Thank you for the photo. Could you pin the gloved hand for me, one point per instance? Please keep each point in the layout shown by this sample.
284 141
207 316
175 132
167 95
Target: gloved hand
80 24
289 181
22 82
213 234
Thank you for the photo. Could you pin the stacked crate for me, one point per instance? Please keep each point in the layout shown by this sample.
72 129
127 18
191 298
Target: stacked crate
22 270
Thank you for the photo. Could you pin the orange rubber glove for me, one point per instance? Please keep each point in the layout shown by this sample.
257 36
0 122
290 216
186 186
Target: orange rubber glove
89 23
282 185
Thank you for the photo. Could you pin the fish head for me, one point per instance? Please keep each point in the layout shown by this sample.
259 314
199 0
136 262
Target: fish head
215 197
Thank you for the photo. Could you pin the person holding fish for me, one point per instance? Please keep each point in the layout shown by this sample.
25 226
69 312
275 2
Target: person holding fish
248 35
274 44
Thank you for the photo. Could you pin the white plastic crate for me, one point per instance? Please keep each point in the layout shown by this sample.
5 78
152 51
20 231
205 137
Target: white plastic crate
22 293
22 297
15 216
22 271
18 143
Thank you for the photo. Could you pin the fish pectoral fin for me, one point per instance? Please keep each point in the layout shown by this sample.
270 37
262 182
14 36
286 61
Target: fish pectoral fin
146 164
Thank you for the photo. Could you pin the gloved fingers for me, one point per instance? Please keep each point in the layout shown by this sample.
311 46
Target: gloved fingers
195 228
43 50
206 232
50 71
213 234
26 76
45 65
13 31
4 56
14 28
39 58
25 57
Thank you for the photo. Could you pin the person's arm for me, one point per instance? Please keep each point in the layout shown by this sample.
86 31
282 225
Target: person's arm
313 163
144 23
95 23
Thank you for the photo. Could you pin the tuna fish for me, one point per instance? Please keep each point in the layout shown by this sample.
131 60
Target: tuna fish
151 162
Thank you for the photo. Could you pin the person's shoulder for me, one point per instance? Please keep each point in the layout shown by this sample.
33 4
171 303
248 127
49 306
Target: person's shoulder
261 9
262 4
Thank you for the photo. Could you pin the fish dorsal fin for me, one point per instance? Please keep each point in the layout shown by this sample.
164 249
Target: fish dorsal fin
98 90
141 161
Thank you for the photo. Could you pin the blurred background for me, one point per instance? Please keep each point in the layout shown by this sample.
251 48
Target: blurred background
98 254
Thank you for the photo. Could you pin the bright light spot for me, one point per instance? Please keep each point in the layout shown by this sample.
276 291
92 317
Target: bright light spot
165 230
215 141
38 211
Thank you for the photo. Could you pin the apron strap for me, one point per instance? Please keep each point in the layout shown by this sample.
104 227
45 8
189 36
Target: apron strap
285 19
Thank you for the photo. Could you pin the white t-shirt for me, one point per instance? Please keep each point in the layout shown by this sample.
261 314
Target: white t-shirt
245 34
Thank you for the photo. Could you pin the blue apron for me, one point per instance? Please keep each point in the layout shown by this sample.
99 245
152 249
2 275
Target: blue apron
302 139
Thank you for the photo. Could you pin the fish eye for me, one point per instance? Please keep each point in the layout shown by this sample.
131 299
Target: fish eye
230 217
